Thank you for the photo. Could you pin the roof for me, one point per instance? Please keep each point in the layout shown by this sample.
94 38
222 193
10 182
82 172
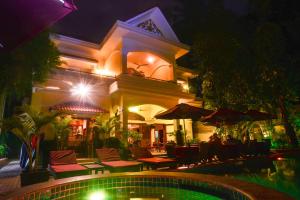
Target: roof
81 107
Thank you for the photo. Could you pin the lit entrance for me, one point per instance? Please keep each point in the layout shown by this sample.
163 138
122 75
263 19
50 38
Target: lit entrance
154 133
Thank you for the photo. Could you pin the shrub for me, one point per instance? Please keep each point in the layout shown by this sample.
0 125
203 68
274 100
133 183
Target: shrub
3 150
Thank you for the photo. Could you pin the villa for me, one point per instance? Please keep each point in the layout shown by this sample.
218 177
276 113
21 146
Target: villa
132 73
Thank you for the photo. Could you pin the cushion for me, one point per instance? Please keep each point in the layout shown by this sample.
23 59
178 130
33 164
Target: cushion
121 163
156 160
66 168
63 157
108 154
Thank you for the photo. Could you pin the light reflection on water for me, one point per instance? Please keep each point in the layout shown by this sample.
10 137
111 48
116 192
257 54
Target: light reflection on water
283 176
155 193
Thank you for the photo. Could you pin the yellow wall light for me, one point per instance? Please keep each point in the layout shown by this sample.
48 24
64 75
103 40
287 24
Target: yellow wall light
81 90
133 109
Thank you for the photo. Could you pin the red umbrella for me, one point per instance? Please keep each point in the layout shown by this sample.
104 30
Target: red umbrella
255 115
224 116
183 111
22 20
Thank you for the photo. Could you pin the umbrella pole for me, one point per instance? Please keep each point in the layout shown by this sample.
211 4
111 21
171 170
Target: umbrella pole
184 131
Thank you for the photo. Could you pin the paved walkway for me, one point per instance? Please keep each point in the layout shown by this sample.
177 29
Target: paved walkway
9 178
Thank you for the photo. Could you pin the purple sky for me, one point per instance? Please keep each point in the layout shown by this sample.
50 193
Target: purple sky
94 18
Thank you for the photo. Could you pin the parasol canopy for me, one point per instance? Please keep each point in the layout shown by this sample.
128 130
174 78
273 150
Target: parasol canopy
183 111
224 116
255 115
22 20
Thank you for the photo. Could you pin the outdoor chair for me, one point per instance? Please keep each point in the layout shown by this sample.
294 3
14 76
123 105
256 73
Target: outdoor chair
229 151
63 164
170 149
204 155
144 155
187 155
262 148
110 158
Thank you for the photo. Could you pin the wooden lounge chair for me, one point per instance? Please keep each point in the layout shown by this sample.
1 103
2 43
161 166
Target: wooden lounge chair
145 156
63 164
110 158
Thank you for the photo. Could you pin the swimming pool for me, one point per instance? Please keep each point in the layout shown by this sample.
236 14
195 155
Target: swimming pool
148 186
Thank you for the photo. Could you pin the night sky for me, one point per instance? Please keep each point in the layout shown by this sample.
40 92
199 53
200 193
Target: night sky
94 18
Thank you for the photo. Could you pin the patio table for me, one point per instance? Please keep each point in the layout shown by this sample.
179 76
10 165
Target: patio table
95 167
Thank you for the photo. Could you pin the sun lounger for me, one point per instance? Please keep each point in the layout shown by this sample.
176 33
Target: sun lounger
63 164
110 158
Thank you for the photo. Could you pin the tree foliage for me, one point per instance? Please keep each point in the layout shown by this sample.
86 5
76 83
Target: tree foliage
28 63
248 60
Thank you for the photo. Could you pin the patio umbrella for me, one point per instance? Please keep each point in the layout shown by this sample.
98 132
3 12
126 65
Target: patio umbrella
22 20
183 111
255 115
224 116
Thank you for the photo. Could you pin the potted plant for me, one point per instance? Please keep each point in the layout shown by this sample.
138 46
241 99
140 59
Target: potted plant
26 124
62 129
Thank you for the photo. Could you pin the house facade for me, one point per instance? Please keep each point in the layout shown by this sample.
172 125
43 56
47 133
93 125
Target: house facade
132 73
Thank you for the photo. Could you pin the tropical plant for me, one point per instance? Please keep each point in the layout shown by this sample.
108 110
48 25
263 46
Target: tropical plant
25 124
61 126
30 62
113 142
105 127
3 150
134 135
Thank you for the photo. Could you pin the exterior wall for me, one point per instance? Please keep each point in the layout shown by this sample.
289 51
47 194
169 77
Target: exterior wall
122 90
113 64
131 45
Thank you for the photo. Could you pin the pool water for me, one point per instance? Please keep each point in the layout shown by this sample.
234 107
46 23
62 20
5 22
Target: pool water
282 174
153 193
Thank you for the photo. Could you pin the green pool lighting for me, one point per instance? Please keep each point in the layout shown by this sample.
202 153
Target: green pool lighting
99 195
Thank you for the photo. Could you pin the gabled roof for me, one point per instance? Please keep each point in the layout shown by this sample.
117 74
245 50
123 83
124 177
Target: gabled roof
155 22
151 25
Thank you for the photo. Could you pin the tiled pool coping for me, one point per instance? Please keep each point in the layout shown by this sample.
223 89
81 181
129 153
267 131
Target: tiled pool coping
221 186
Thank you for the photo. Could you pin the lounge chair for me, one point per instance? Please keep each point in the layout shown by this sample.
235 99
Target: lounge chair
63 164
143 155
110 158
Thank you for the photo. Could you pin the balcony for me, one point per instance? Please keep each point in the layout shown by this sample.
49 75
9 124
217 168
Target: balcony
139 84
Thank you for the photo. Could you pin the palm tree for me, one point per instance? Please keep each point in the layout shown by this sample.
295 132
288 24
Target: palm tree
62 129
104 126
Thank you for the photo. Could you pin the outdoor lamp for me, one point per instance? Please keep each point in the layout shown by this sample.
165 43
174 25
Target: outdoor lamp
81 90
